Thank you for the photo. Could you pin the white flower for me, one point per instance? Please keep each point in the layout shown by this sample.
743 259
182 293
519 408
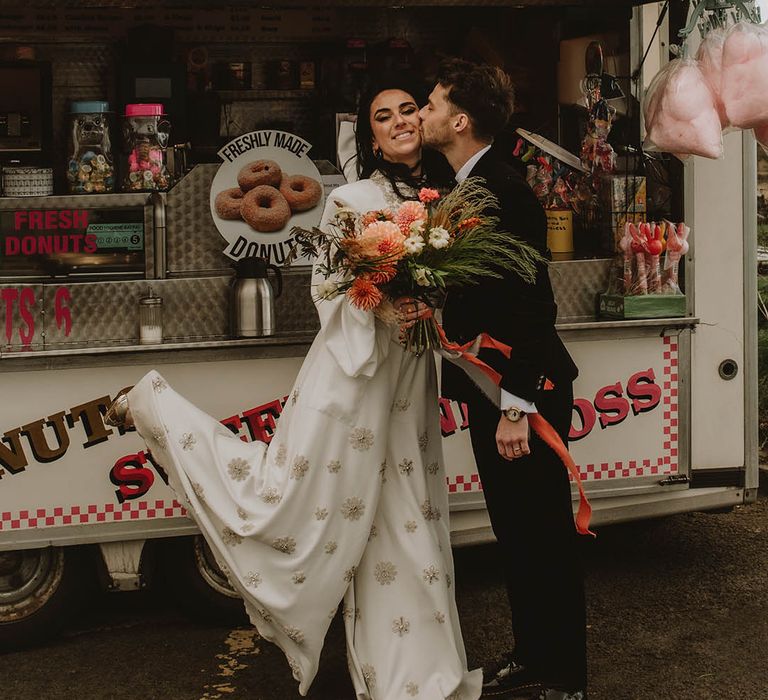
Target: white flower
416 228
439 237
413 245
422 277
327 289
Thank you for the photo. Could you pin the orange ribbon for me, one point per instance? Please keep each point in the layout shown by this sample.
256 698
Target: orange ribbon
538 423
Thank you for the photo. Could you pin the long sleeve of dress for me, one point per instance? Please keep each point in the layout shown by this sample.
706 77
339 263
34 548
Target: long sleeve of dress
356 340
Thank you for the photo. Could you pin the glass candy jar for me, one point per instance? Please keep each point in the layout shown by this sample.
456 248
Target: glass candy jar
150 319
90 167
146 132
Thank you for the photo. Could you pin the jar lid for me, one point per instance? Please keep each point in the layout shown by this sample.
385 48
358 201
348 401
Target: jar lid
144 110
151 301
89 107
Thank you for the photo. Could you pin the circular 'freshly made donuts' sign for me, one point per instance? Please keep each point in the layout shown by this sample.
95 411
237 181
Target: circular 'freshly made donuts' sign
266 185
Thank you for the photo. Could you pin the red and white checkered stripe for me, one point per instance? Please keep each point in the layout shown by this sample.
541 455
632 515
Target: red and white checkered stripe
666 463
82 515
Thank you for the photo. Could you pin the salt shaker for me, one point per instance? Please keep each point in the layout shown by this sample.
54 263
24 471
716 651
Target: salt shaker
150 319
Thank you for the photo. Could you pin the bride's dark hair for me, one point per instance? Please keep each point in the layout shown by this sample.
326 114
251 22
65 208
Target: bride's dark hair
434 167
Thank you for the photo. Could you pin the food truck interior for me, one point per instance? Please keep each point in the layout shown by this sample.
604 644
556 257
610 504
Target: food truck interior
220 73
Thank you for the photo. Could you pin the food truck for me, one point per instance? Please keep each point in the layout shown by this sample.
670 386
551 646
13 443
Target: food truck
120 124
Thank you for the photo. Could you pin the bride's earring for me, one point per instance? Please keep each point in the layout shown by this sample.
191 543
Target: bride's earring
377 153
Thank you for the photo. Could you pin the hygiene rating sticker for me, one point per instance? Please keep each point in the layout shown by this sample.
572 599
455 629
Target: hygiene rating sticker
127 236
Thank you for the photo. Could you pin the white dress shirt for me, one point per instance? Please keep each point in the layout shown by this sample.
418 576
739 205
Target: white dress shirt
507 400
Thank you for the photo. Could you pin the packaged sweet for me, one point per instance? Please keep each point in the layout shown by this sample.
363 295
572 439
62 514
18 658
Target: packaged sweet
680 112
744 84
710 58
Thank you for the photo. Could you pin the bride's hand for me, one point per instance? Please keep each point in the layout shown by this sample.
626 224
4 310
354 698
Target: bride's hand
411 310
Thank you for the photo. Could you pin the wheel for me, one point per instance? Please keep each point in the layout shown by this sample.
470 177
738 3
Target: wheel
40 591
197 585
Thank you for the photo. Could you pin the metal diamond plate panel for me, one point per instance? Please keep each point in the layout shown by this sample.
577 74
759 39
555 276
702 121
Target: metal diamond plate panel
193 241
576 284
24 325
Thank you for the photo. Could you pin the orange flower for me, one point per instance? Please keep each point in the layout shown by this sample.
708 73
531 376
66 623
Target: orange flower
372 216
382 238
427 195
365 294
382 274
469 223
407 214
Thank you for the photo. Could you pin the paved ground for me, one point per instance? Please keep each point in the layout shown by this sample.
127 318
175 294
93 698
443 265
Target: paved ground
678 610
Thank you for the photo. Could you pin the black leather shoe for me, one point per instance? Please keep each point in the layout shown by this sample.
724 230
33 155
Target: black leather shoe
512 681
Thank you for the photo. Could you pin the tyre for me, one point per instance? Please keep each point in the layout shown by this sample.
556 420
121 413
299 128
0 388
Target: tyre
196 584
40 591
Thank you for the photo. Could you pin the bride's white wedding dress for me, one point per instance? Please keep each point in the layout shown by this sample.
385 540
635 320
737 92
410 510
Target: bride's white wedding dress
348 502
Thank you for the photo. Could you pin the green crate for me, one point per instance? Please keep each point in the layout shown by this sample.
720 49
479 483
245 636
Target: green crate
615 306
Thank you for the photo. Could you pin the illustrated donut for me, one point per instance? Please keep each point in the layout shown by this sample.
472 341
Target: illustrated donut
260 172
265 209
228 203
301 192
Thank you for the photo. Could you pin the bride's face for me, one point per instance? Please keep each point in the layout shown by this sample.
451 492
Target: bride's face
395 124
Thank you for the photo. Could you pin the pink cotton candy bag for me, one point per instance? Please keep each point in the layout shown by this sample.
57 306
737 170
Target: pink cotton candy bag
744 84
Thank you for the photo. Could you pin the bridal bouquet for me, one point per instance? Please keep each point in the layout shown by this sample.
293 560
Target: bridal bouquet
419 250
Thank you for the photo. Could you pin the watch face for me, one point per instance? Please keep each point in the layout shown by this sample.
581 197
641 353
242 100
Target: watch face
514 414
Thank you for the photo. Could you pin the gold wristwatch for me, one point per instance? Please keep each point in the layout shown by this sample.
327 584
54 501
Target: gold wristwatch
513 413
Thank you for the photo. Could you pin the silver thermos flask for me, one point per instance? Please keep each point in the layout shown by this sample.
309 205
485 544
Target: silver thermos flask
253 299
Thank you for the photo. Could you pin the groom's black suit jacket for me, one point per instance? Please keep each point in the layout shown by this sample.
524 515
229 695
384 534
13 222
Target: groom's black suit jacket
519 314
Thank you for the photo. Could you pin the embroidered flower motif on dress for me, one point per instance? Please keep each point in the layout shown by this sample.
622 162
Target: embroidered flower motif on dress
383 471
353 508
253 579
433 468
264 615
159 384
429 511
440 617
373 533
401 626
423 441
406 466
230 537
412 689
385 572
300 467
242 514
431 574
286 545
281 456
334 466
448 580
247 527
369 675
402 405
198 490
271 495
238 469
294 397
321 513
410 526
188 441
158 435
330 547
348 613
349 574
361 439
295 634
298 577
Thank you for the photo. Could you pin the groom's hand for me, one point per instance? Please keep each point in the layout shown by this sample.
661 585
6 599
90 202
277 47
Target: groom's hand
512 438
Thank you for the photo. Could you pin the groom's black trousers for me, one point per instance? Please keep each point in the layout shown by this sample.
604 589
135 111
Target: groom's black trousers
529 502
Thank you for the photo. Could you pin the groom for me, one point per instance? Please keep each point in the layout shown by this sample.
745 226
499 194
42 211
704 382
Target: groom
526 486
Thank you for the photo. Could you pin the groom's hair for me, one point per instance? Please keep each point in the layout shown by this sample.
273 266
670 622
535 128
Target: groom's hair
483 92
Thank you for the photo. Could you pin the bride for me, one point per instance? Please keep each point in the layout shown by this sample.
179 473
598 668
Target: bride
348 502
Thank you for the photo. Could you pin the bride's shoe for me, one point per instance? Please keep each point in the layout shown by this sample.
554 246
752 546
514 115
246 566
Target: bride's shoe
118 414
